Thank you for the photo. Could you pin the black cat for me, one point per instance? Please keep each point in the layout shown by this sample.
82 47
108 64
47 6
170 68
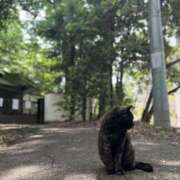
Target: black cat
114 143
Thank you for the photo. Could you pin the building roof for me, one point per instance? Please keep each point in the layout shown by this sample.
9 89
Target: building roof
14 81
5 82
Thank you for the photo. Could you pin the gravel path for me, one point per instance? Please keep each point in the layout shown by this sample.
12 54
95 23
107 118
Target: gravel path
55 153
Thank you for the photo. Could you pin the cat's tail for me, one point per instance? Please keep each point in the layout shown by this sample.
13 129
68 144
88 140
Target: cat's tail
144 166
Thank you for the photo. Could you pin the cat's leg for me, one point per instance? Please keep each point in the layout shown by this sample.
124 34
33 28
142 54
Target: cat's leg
105 152
128 159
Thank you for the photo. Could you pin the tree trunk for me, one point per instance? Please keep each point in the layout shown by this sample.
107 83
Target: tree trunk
84 106
102 102
119 84
111 88
148 111
109 29
69 57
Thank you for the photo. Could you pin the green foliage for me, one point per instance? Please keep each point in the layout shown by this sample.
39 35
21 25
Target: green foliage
27 60
96 41
41 69
10 46
174 71
7 11
87 42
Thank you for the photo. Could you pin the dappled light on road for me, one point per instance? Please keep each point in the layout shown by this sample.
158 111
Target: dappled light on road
81 177
170 163
58 153
21 172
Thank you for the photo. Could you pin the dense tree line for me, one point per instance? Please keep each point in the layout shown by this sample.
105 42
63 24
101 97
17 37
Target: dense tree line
95 45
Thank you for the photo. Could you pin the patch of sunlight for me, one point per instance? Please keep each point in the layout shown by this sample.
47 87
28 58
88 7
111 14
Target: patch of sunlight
81 177
35 142
38 142
145 143
12 126
25 151
60 130
170 163
36 136
74 149
21 171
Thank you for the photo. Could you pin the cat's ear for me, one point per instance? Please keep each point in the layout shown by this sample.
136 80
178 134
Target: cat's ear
129 108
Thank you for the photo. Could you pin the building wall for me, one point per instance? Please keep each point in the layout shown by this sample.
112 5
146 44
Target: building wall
178 109
7 97
53 112
30 104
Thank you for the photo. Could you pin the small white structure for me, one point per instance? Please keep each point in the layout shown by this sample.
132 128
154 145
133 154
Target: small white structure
1 102
53 111
177 101
30 104
15 104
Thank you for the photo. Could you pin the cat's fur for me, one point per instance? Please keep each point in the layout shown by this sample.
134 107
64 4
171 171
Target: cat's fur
114 143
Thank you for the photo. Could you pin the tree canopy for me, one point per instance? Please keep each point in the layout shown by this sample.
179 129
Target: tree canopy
87 49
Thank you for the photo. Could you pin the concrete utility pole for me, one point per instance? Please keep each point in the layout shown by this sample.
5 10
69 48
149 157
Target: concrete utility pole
160 96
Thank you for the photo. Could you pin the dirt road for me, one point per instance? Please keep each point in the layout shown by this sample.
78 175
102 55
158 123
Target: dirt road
56 153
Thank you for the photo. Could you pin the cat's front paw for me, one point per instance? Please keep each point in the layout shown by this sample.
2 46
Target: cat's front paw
120 171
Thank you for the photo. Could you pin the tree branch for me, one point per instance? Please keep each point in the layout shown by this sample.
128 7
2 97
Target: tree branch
172 63
146 115
174 90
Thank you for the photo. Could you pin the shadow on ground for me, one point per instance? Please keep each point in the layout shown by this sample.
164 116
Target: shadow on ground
56 153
